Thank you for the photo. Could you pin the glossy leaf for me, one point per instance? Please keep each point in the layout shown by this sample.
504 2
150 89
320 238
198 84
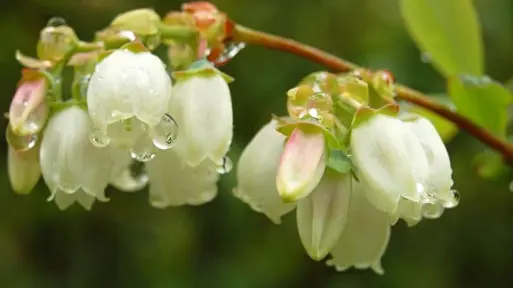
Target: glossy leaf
482 100
449 32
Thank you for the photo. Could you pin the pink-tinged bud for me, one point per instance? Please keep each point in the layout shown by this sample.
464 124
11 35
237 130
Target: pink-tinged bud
28 111
302 164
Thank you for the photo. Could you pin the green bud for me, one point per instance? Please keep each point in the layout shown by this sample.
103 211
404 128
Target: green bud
142 22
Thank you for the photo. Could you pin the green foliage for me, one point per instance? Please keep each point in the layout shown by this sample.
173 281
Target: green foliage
482 100
448 31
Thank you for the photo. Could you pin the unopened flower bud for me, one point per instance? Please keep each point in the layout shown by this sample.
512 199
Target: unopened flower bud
365 237
28 111
142 22
302 164
321 217
24 170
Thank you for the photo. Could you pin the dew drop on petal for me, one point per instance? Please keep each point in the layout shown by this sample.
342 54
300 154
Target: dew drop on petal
99 138
56 22
143 149
35 120
165 133
226 166
133 178
432 211
454 201
20 143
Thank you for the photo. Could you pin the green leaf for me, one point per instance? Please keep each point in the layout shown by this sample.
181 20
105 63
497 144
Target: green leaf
482 100
445 128
449 32
490 164
339 161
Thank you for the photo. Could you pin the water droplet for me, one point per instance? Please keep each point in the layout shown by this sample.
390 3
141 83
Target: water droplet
314 113
230 50
99 138
129 35
132 179
56 22
83 85
20 143
143 149
35 120
454 201
226 166
164 135
432 211
425 57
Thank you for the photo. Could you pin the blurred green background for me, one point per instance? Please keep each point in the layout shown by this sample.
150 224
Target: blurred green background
127 243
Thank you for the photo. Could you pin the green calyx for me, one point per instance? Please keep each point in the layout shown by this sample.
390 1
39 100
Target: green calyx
285 125
201 68
364 114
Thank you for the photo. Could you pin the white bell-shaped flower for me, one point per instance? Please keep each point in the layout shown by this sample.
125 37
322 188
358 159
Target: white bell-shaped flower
439 182
390 160
256 174
73 169
174 183
322 215
365 236
202 106
128 97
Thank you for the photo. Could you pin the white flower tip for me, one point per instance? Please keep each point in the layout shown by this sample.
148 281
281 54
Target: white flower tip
243 196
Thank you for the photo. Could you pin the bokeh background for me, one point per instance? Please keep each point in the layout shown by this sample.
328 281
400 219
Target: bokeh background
127 243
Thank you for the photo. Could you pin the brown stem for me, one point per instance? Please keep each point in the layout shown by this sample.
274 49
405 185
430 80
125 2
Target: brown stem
250 36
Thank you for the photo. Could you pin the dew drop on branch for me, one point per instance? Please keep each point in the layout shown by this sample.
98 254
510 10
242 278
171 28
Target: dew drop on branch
99 138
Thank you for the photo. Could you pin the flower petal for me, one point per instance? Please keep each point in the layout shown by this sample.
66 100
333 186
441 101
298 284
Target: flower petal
202 107
24 170
127 84
69 161
321 217
175 183
382 149
256 174
440 171
365 237
65 200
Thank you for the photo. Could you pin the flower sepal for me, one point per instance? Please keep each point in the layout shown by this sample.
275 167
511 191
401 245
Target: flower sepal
33 63
201 68
364 114
287 125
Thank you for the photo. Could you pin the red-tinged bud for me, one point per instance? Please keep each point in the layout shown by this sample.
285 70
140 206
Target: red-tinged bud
302 164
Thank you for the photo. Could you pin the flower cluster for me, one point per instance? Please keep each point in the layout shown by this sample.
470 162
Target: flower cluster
345 157
350 164
129 121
